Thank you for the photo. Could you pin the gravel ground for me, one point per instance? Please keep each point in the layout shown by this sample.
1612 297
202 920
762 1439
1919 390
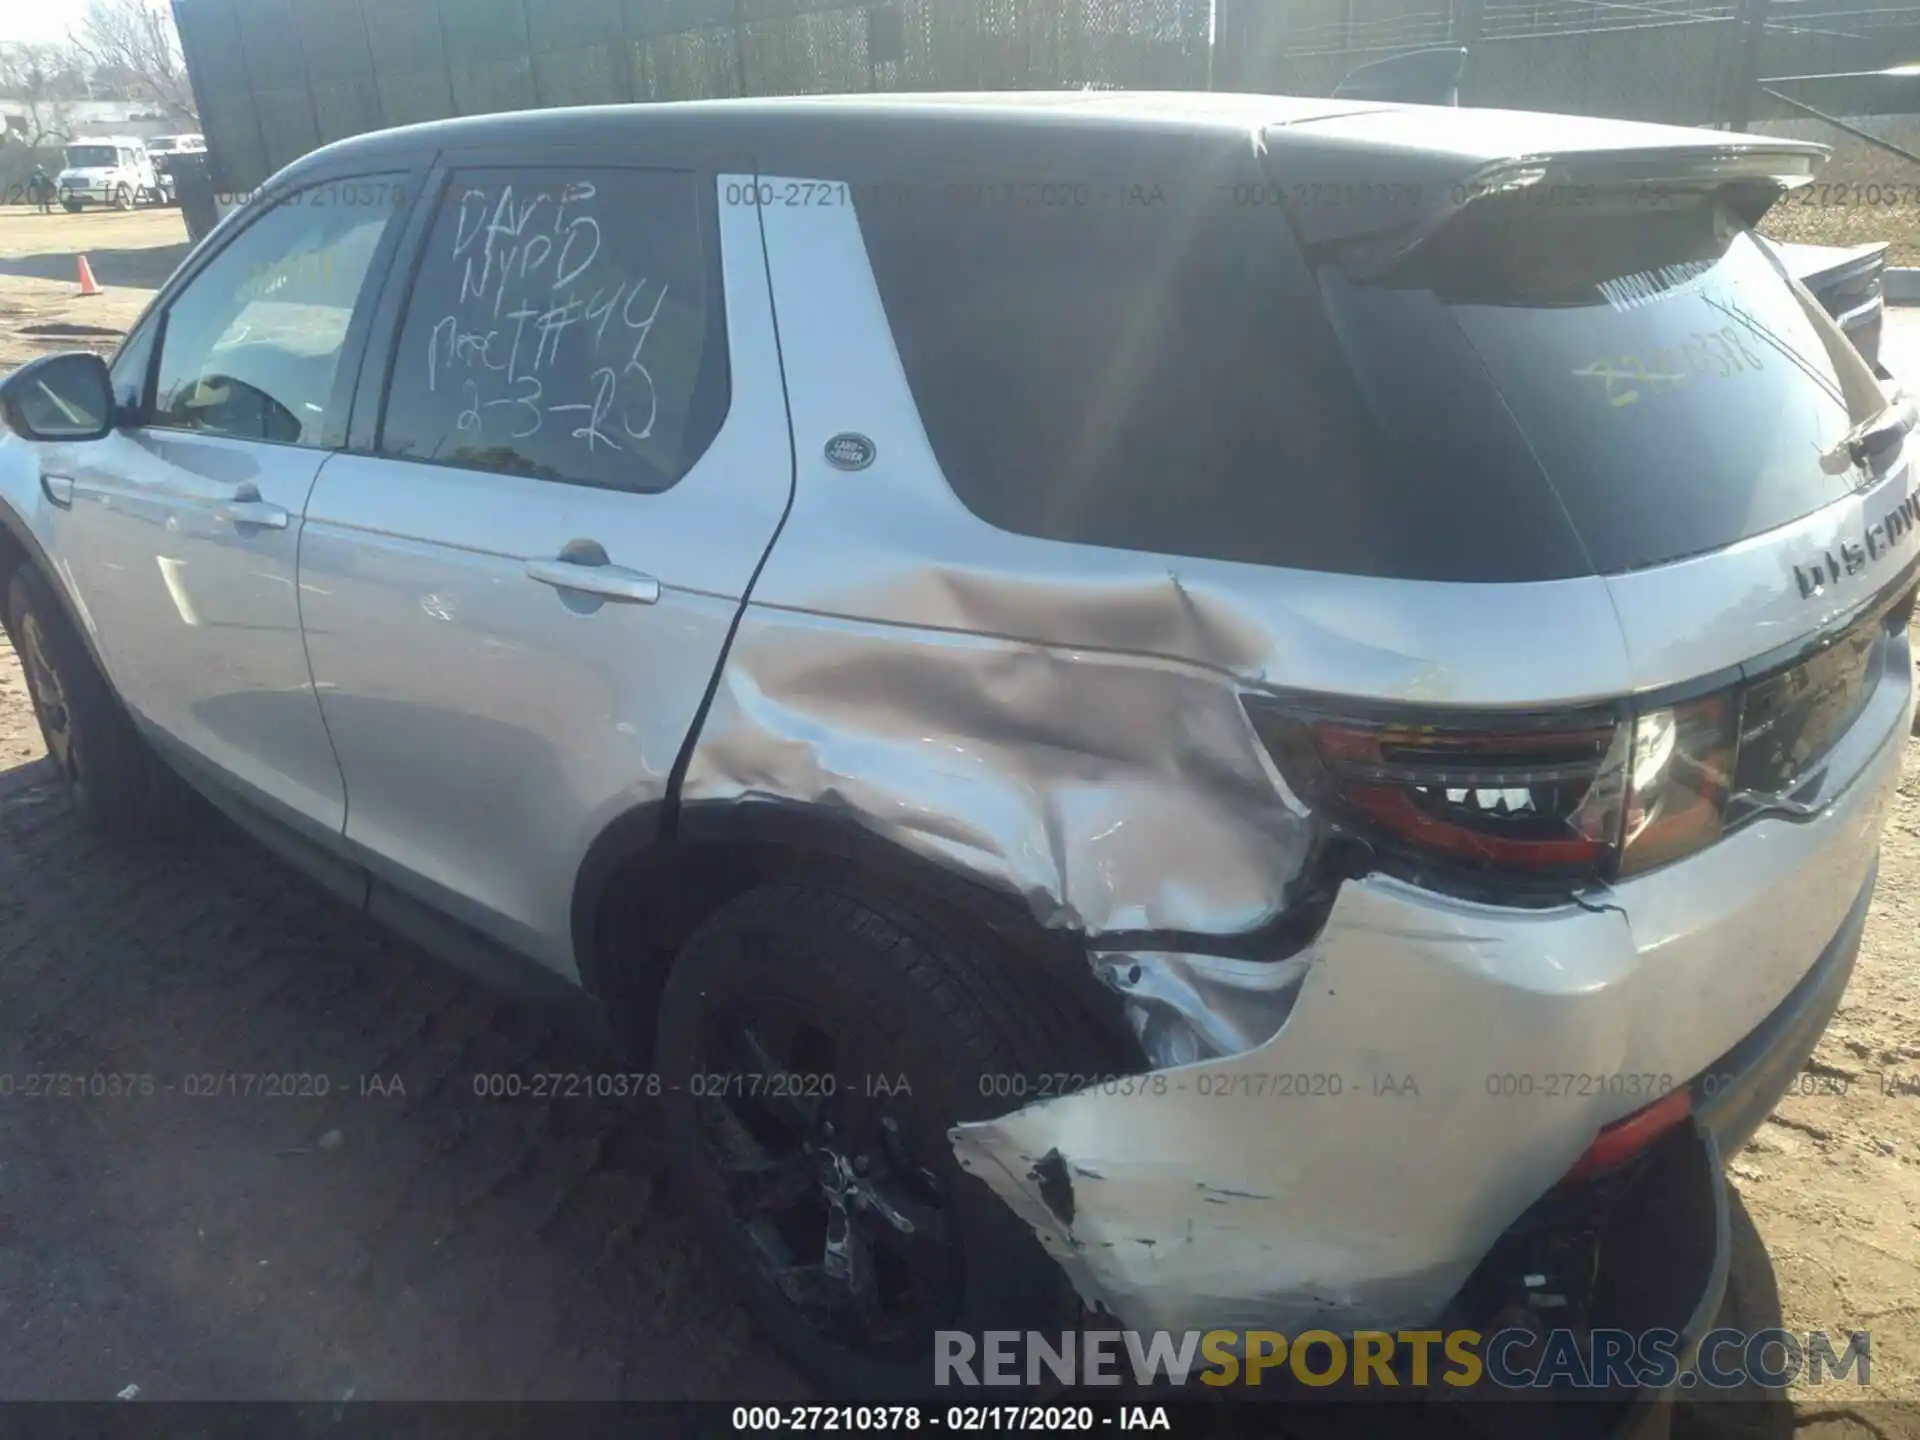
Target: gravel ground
1863 193
412 1240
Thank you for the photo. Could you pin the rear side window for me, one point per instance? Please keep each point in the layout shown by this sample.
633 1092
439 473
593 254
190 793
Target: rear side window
1532 394
566 323
1148 365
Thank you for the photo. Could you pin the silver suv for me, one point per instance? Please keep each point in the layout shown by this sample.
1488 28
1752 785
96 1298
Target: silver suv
1248 711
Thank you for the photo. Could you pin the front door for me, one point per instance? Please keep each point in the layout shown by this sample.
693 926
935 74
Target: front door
185 526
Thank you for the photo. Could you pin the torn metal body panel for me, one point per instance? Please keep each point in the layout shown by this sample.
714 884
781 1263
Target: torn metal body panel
1351 1171
1336 1129
1194 1007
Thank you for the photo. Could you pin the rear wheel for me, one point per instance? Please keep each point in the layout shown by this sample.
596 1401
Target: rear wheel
818 1044
116 781
72 207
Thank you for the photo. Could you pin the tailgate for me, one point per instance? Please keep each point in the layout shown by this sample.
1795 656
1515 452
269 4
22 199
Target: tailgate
1621 350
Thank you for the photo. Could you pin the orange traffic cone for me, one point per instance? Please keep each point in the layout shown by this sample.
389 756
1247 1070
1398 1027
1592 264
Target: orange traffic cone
87 285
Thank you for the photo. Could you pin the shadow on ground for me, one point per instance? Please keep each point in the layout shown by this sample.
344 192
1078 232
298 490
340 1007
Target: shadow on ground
145 269
262 1160
258 1160
1751 1412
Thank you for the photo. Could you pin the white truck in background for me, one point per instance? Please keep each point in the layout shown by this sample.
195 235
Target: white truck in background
114 170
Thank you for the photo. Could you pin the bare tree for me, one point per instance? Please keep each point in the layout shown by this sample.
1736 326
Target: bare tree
43 79
134 42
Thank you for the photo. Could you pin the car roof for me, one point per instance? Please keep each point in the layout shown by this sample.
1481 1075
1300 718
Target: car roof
901 128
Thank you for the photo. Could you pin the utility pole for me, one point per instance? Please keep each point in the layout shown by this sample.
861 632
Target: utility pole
1748 47
739 51
1468 16
1213 37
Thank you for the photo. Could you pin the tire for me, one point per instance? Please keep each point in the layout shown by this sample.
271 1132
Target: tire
117 784
835 982
72 207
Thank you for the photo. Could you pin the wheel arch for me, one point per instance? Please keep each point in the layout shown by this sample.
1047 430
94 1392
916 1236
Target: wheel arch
14 550
657 873
20 546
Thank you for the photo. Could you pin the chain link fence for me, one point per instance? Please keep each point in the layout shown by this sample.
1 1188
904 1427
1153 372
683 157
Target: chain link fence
1673 60
276 78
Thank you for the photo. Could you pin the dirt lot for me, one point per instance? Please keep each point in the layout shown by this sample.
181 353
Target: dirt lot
131 253
430 1244
418 1244
1863 193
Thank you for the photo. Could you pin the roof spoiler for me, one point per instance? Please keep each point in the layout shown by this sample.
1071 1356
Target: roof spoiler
1396 207
1424 77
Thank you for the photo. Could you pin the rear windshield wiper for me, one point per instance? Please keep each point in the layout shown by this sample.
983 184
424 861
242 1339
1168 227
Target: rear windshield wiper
1875 436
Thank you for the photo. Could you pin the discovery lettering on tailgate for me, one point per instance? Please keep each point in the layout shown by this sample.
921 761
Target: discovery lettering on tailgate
1882 537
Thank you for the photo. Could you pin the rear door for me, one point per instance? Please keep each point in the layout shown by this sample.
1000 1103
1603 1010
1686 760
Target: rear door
517 591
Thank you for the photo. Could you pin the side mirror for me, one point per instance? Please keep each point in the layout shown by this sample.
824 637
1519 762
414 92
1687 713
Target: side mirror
59 397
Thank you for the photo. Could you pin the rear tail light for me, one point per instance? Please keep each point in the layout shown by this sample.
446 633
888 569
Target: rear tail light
1678 781
1594 793
1583 795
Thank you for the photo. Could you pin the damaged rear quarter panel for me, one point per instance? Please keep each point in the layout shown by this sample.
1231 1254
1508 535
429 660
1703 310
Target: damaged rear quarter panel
1056 719
1112 793
1339 1174
1063 722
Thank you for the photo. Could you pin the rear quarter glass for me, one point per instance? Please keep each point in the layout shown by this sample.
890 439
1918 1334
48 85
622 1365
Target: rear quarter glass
1151 366
1178 377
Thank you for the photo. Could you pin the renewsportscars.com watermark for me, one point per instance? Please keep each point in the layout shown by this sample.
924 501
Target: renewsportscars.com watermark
1511 1359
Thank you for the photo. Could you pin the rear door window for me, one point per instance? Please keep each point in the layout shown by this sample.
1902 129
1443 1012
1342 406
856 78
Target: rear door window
566 323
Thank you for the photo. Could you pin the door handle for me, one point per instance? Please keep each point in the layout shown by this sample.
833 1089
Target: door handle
254 512
245 507
615 582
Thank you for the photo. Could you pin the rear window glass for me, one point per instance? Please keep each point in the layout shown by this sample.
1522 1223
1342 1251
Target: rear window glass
1158 367
1679 394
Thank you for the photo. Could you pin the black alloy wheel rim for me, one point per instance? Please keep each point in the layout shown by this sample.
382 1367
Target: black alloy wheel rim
827 1179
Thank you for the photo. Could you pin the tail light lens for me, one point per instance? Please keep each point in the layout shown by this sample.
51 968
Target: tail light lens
1678 780
1581 795
1596 793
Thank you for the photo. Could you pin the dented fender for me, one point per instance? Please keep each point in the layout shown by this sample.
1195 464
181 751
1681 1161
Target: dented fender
1114 793
1328 1137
